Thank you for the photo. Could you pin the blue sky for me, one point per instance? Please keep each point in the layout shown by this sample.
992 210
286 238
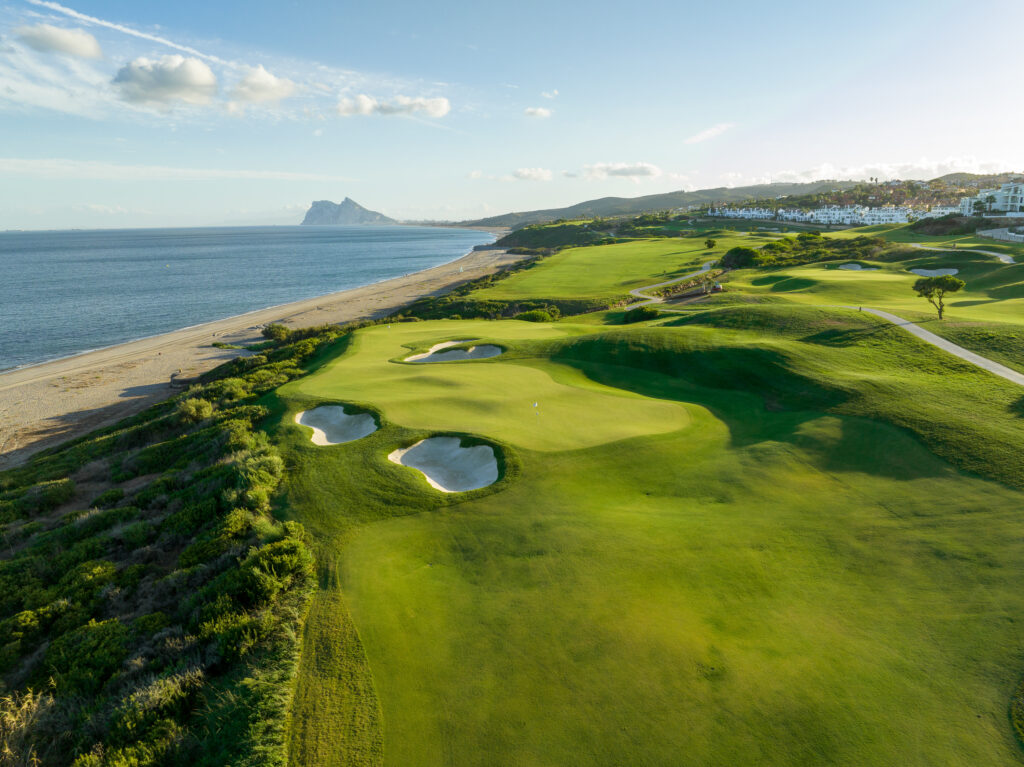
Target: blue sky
200 113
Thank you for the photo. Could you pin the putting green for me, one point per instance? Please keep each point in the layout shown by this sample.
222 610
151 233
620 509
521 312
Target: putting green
495 397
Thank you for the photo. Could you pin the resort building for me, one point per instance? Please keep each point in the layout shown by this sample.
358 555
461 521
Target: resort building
848 215
1006 200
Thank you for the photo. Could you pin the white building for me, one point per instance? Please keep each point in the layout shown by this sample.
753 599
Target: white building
1006 200
848 215
938 211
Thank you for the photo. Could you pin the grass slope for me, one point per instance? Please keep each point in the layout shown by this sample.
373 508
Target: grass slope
609 271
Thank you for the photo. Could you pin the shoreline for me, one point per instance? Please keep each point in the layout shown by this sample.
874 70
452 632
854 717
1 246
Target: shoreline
48 402
83 352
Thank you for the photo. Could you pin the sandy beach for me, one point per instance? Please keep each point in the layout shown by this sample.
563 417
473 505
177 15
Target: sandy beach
44 404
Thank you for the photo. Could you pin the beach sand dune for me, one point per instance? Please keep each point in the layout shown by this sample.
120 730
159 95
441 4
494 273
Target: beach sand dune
45 404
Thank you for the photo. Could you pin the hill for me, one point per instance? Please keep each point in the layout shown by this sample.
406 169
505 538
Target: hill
347 213
620 206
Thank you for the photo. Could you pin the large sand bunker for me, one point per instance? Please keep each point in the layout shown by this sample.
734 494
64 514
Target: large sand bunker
435 353
331 425
859 268
448 466
934 272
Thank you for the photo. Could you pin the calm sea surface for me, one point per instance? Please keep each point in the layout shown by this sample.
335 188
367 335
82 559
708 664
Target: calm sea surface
67 292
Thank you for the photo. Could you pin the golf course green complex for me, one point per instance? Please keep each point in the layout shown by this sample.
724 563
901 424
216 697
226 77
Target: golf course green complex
763 528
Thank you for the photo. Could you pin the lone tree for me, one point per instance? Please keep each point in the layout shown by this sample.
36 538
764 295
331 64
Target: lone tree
709 243
936 288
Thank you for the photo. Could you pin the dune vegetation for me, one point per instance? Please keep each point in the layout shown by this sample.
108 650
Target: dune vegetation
756 527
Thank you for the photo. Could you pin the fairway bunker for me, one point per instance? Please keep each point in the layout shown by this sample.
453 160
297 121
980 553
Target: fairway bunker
858 268
444 353
934 272
448 466
331 425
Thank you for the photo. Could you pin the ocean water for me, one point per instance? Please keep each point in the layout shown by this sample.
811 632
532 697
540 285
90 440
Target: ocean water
66 292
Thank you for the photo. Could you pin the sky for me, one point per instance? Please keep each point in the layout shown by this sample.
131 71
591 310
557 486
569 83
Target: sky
129 114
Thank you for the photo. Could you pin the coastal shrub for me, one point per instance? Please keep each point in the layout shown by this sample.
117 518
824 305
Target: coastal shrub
739 257
640 314
83 660
198 547
535 315
195 410
275 331
46 496
108 498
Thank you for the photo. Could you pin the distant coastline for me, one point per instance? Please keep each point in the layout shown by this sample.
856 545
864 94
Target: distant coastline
73 292
51 401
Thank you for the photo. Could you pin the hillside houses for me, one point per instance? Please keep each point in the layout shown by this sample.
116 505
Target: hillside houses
837 215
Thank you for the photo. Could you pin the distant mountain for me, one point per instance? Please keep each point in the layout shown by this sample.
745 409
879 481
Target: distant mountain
621 206
348 213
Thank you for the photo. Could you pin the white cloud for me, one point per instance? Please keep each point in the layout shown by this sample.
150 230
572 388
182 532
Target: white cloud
710 133
168 79
550 94
259 86
532 174
634 171
71 13
59 168
401 105
50 39
65 84
541 112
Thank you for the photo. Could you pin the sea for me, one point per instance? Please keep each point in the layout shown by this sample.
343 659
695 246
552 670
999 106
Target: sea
67 292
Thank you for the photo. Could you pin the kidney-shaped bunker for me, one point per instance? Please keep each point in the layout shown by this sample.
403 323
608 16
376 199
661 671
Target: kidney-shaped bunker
443 353
448 466
331 425
934 272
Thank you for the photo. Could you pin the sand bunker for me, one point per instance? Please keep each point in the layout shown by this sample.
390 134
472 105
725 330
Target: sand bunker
448 466
934 272
435 354
859 268
331 425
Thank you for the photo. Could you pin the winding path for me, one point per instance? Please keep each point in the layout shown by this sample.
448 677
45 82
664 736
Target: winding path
648 300
925 335
949 346
1005 258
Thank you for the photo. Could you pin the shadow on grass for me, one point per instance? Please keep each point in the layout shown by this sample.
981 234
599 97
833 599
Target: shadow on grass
1017 408
844 336
843 444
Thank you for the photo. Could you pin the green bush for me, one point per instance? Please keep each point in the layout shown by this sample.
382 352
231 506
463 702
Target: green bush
83 660
194 410
739 257
275 331
46 496
535 315
640 314
107 499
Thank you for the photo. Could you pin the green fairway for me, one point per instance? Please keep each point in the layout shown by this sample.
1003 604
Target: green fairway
611 271
673 574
